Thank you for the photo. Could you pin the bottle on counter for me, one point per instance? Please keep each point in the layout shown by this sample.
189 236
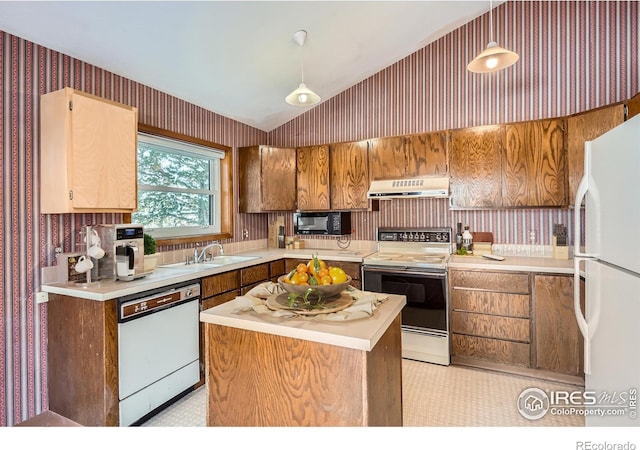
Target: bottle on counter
459 237
467 240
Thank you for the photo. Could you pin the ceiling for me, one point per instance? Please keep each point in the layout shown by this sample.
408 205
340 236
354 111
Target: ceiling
238 58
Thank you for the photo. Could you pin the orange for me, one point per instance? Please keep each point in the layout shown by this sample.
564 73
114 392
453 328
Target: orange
315 265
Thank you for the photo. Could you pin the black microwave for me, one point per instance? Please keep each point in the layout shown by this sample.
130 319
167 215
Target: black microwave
329 223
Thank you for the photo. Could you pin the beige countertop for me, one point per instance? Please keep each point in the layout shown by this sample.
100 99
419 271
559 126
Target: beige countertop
360 334
514 263
163 276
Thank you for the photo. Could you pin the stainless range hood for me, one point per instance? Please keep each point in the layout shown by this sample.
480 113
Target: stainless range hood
434 187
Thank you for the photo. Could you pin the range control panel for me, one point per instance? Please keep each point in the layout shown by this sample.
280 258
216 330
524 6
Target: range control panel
433 235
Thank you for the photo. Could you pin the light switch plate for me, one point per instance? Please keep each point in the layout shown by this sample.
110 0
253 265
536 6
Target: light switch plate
42 297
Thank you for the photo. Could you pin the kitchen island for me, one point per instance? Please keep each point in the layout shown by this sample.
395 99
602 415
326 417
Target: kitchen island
266 371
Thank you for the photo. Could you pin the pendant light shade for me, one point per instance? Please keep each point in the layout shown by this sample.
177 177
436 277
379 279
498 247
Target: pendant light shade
302 96
494 57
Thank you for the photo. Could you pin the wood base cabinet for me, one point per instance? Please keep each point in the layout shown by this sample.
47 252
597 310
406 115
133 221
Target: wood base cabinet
82 359
559 343
490 317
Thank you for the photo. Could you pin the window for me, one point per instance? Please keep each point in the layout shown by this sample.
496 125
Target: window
178 187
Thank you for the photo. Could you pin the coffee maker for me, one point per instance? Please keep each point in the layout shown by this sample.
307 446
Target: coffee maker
124 251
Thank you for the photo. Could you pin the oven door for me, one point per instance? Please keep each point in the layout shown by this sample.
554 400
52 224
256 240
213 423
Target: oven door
426 291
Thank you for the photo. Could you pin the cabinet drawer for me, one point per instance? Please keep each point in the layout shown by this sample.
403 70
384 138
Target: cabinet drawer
483 325
516 283
217 284
276 268
494 350
219 299
498 303
253 274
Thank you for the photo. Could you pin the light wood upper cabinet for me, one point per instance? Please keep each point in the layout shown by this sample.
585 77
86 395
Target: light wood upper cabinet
313 178
633 106
408 156
267 179
349 175
88 154
584 127
475 166
533 165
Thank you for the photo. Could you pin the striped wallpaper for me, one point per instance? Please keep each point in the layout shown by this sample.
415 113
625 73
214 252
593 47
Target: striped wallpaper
29 238
573 56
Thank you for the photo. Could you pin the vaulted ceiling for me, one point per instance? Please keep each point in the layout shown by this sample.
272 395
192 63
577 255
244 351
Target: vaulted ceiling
239 58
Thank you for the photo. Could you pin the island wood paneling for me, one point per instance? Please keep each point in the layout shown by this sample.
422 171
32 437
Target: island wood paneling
259 379
476 166
313 178
83 360
533 165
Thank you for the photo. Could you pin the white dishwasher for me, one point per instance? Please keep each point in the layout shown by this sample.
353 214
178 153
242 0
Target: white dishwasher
157 348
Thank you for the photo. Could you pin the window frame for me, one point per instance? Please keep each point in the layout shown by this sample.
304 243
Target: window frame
226 187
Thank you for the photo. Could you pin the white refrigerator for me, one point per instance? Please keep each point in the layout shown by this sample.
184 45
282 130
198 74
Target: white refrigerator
610 322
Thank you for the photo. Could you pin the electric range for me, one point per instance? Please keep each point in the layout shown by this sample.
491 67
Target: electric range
413 262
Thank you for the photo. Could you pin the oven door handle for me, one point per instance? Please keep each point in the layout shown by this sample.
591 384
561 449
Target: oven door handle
430 274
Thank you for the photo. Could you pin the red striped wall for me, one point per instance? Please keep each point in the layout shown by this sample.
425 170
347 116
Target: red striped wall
574 56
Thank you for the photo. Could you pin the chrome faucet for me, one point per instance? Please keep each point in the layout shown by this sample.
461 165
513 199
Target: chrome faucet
203 254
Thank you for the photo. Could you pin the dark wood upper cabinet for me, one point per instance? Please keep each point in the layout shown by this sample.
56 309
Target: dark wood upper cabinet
426 154
533 165
387 158
584 127
267 179
475 166
349 175
408 156
313 178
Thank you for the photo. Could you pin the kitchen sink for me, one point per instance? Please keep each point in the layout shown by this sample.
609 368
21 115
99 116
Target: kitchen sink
229 259
215 262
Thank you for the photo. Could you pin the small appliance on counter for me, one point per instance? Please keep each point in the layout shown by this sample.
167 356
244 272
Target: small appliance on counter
560 249
124 251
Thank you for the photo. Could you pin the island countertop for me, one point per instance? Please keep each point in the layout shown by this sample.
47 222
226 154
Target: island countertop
360 334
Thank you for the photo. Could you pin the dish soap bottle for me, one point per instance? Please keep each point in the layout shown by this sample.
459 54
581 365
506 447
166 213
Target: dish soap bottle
467 240
459 237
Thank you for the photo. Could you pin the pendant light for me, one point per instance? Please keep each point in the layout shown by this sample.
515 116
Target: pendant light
302 96
494 57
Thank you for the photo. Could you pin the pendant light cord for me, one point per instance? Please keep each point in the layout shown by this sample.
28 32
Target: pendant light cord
490 21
